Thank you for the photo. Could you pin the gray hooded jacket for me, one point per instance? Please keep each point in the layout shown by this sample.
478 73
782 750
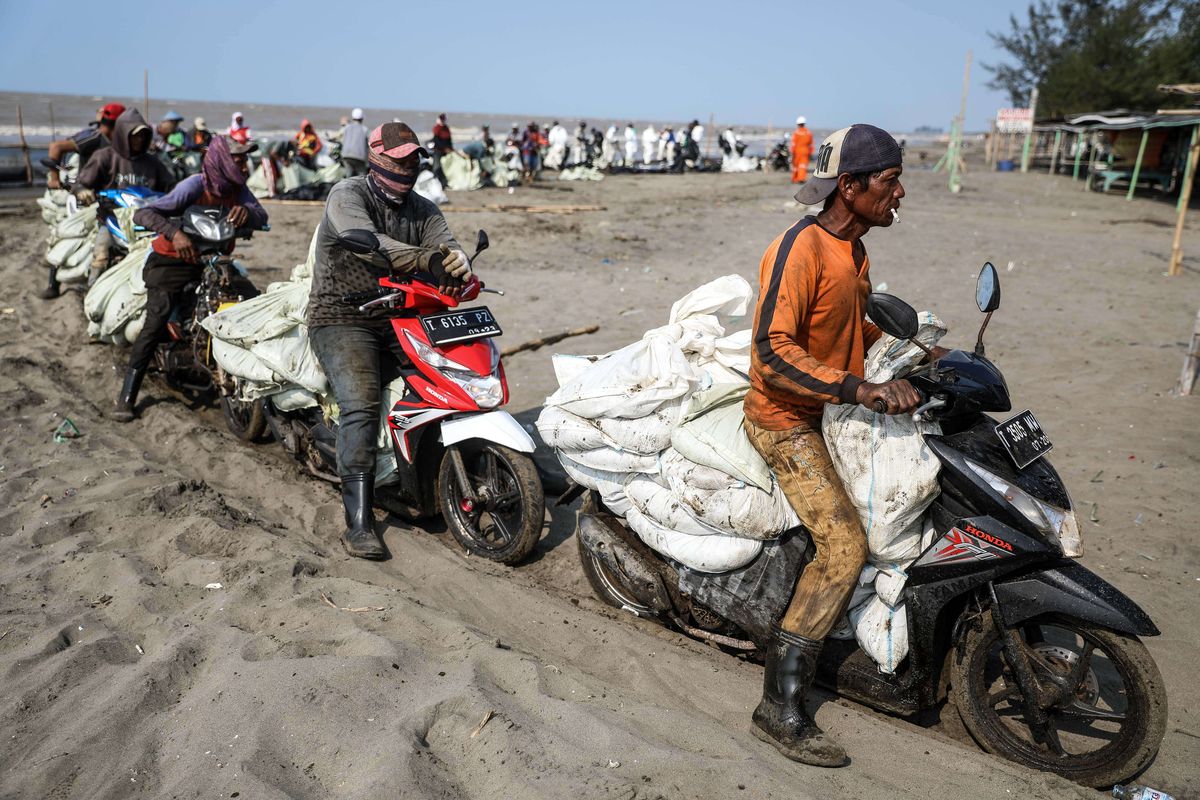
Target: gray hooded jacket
113 167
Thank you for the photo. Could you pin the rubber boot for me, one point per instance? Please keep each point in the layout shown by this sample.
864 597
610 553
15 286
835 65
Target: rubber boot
127 399
781 719
53 289
358 496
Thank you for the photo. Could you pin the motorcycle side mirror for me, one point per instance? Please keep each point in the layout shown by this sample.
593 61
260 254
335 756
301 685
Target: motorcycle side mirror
987 297
481 244
359 241
987 289
895 317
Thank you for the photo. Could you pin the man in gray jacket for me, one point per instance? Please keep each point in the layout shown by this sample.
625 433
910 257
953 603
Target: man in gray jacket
359 351
354 145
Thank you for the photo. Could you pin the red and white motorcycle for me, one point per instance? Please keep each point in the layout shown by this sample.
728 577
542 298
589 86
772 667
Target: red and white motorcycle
456 452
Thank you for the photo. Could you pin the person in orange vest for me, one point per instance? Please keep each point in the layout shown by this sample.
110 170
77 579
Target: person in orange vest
801 151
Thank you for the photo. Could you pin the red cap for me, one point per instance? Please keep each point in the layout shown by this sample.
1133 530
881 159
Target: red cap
110 112
395 140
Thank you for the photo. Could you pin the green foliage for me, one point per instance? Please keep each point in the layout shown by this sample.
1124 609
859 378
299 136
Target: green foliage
1094 55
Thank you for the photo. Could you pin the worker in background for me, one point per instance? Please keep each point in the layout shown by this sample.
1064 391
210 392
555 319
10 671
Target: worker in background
308 144
354 145
239 131
200 135
801 150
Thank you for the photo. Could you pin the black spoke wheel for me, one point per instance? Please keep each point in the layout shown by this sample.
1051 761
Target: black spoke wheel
501 518
1099 709
245 419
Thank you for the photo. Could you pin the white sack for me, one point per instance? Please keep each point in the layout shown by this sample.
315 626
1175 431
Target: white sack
732 507
429 187
889 473
715 553
608 459
882 632
260 318
660 506
610 485
716 439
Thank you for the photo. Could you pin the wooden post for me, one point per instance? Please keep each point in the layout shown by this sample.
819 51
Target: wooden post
1185 195
956 164
53 129
146 94
990 151
1137 165
1191 362
24 148
1029 134
1054 155
1078 154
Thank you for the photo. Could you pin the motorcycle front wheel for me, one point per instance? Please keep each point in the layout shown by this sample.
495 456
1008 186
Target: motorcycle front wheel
1101 694
502 521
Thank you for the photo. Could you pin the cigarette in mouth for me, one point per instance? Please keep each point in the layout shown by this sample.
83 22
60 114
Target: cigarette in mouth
895 216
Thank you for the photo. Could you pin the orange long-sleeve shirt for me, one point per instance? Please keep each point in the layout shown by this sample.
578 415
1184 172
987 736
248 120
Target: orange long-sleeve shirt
810 331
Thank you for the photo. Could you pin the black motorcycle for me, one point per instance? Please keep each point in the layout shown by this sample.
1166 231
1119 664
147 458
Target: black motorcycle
780 157
1039 655
184 359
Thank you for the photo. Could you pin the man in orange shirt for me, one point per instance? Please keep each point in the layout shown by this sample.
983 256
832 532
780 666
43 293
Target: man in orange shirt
810 340
801 151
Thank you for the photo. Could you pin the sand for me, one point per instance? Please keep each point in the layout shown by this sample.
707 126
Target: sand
125 676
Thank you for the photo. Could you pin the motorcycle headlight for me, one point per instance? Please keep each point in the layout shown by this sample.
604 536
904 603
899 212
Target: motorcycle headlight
206 227
485 390
1055 523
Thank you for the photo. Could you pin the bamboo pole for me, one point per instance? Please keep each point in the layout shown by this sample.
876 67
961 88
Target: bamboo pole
957 167
1054 155
53 129
1033 98
1191 362
989 153
1137 165
24 148
146 94
1185 195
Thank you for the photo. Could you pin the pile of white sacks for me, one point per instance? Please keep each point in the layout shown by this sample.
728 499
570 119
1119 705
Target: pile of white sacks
72 234
656 429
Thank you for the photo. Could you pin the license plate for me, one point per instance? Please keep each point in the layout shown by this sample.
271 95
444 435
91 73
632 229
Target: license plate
1024 439
461 326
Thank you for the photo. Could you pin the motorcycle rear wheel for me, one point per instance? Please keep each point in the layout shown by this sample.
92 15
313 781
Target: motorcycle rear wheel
245 419
1118 698
504 522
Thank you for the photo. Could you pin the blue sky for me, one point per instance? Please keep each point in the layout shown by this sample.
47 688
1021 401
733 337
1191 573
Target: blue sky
898 64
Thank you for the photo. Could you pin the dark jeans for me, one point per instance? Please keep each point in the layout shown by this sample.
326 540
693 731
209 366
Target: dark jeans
166 280
359 361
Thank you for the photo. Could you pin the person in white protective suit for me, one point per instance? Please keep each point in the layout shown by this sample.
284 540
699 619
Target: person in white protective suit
559 139
696 135
649 141
579 145
664 137
630 144
611 152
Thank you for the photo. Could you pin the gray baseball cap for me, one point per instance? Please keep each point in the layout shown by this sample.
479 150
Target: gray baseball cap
859 148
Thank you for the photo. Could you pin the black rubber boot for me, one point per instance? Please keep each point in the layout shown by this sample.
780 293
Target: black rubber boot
53 289
781 719
127 399
358 496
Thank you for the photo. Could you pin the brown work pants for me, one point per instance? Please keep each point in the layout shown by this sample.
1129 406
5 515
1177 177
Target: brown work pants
801 464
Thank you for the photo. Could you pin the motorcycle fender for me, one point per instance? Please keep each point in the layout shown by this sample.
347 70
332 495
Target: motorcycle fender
491 426
1072 590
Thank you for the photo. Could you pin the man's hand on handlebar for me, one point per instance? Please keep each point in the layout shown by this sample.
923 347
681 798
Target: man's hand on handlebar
893 397
184 247
238 216
85 196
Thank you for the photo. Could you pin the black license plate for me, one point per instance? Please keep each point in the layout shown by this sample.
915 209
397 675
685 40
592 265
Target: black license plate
1024 439
461 326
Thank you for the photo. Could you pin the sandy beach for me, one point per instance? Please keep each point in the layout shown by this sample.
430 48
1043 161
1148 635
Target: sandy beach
308 674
